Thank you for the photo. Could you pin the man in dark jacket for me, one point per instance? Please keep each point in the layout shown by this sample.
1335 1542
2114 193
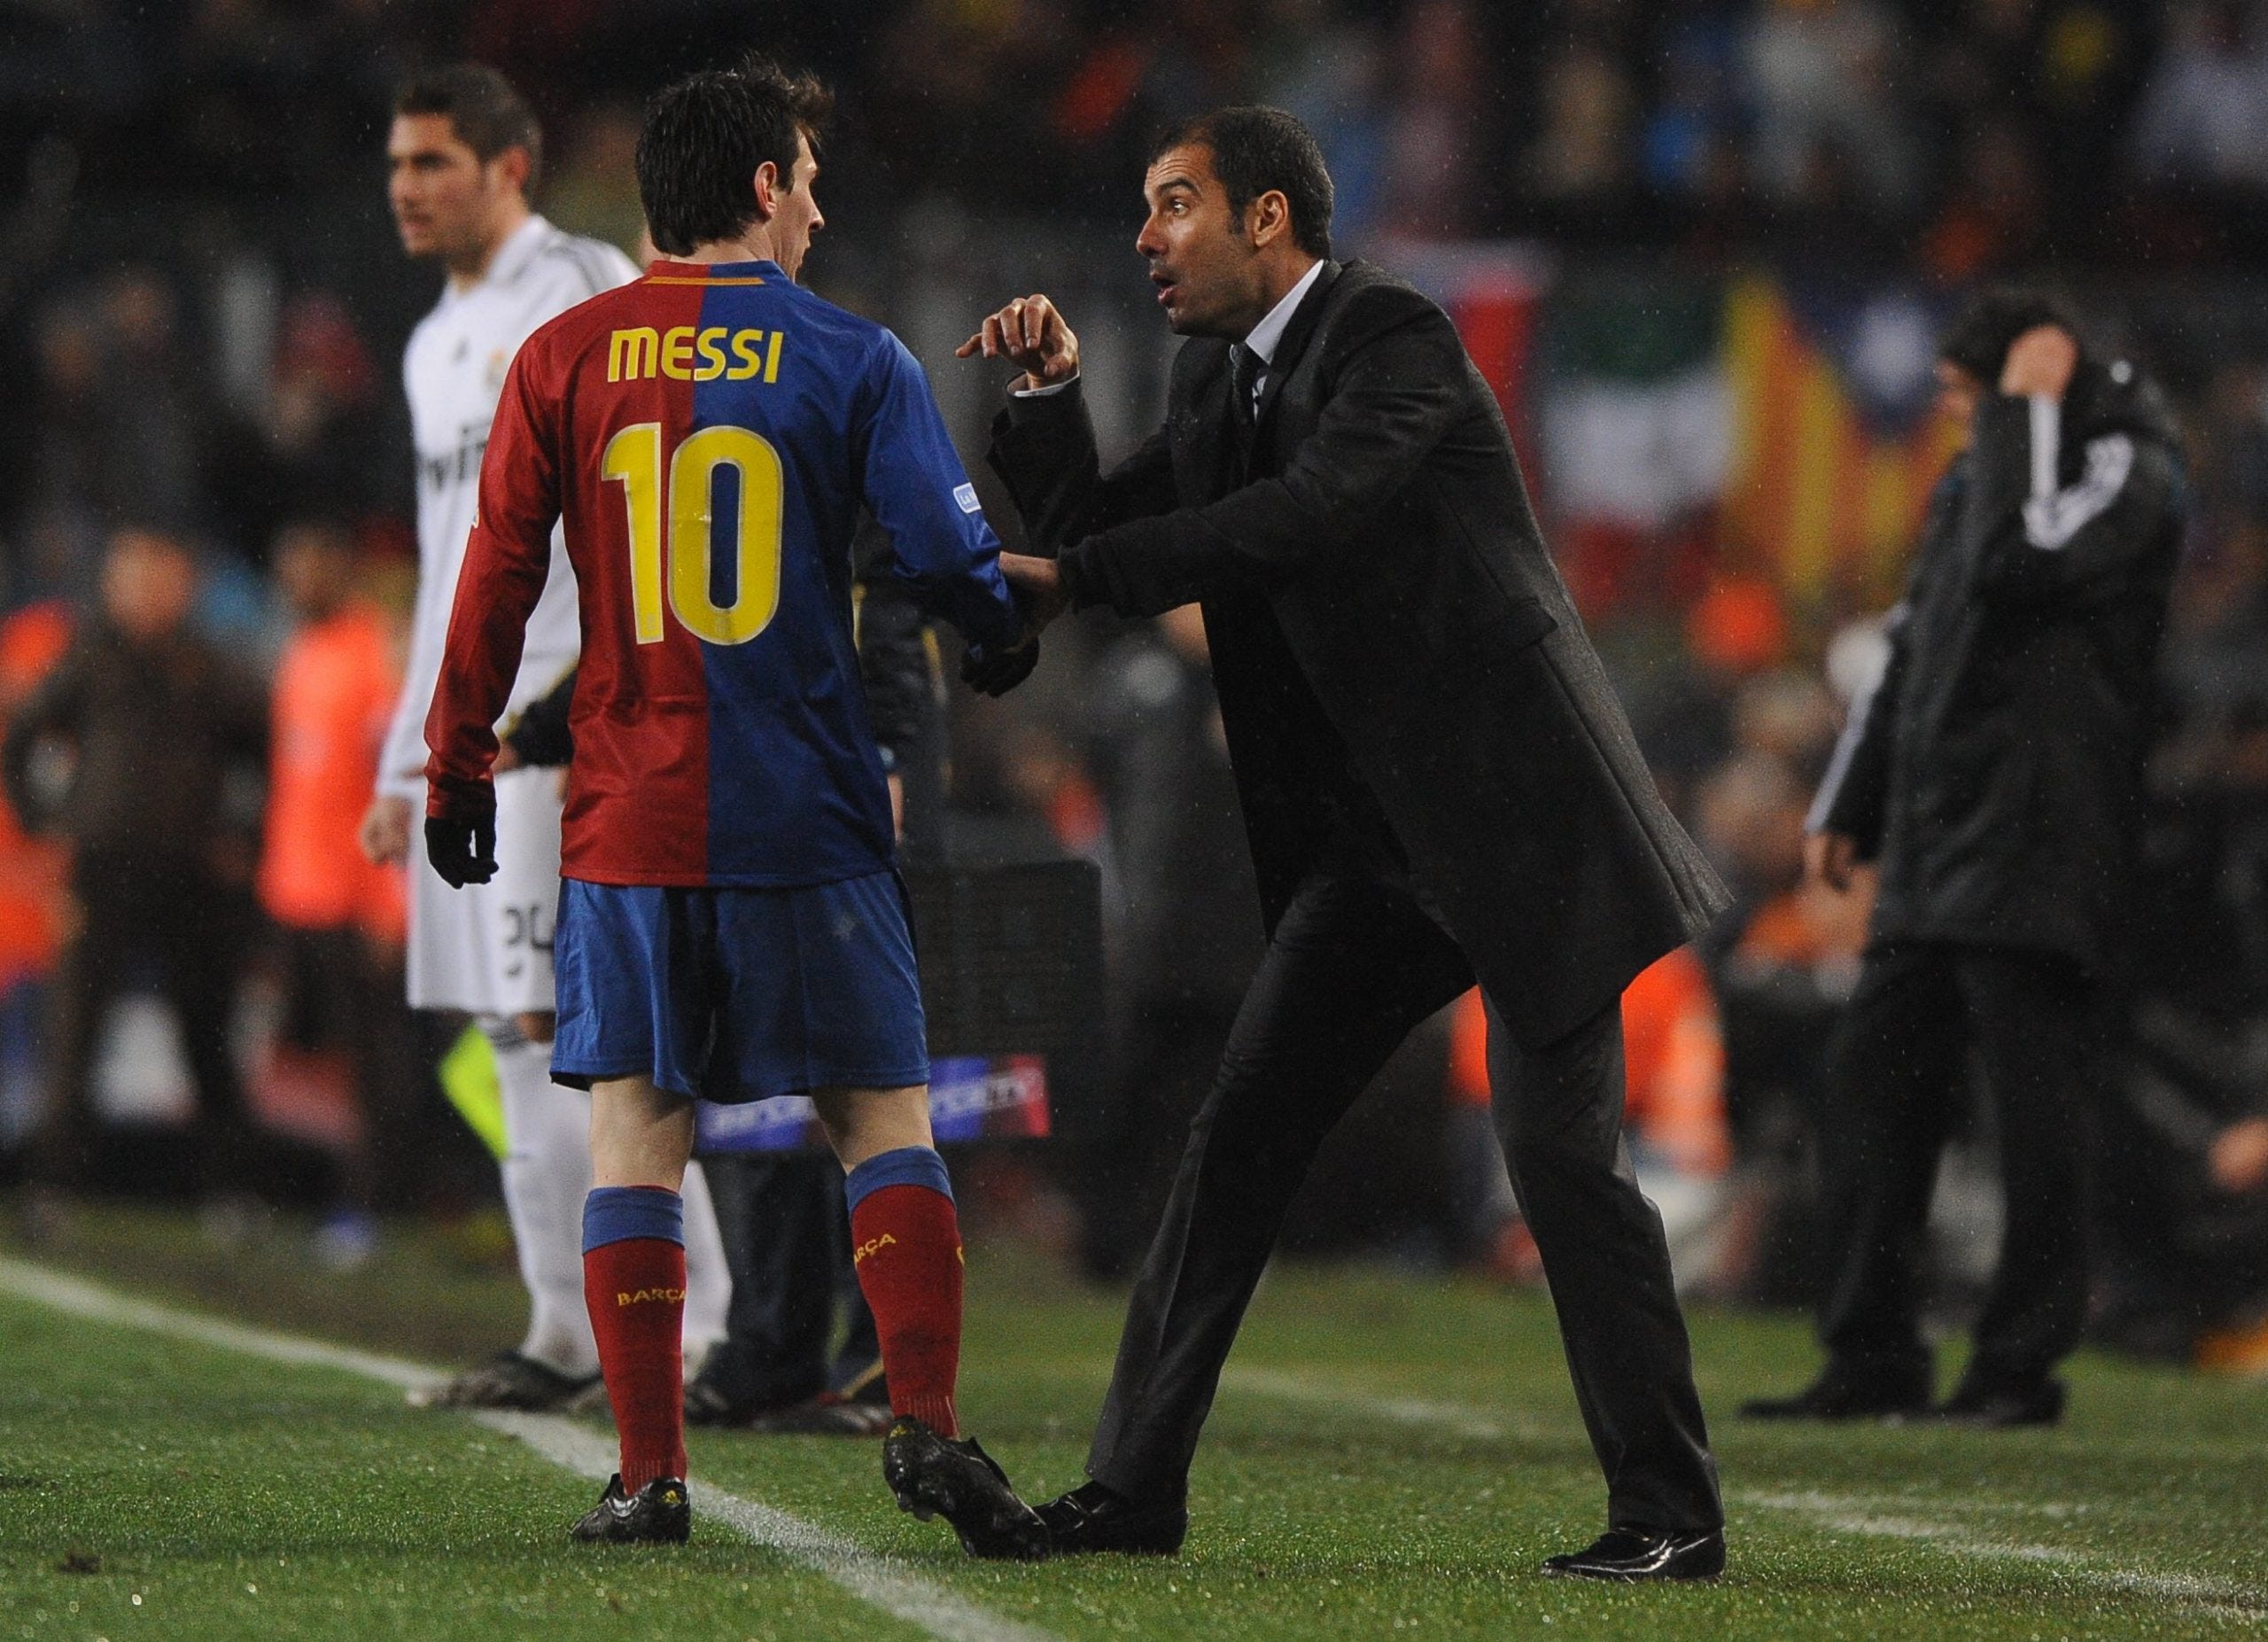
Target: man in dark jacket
164 743
1437 783
1996 773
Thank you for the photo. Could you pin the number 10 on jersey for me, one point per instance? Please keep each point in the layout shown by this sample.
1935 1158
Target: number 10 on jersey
635 457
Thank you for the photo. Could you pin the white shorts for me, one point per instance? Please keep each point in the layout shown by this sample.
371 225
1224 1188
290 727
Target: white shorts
486 949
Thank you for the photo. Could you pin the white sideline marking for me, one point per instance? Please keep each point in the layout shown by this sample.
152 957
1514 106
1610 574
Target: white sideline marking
1848 1516
1456 1419
1843 1513
879 1581
91 1300
898 1590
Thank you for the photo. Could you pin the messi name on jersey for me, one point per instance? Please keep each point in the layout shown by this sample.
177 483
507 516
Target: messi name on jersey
690 355
710 488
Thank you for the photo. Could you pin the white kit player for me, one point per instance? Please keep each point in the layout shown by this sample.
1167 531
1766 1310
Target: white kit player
463 154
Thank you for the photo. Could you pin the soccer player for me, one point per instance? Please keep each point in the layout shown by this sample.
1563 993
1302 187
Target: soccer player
463 152
732 923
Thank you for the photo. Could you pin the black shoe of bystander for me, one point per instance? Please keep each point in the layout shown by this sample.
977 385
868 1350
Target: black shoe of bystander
508 1379
1998 1406
1843 1393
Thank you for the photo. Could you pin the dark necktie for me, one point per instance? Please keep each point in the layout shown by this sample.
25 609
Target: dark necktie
1244 366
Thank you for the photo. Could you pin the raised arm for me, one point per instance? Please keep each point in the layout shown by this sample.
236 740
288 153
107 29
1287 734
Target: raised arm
507 560
1396 395
1043 441
2036 538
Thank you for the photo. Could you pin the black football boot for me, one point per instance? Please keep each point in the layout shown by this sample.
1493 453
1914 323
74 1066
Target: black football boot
660 1514
932 1475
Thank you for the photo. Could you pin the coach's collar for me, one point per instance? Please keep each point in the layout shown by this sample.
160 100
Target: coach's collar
1268 335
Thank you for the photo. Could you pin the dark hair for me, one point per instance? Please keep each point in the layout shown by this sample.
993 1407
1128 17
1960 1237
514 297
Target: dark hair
1256 149
489 116
1988 324
704 138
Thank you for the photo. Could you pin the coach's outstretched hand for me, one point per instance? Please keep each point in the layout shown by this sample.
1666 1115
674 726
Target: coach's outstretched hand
1038 587
1029 332
461 846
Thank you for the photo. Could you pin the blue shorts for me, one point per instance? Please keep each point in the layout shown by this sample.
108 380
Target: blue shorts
738 994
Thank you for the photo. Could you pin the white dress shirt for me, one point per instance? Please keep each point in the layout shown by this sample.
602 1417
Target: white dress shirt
1266 337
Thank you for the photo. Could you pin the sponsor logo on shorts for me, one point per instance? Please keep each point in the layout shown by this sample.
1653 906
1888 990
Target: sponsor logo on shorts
641 1297
873 1245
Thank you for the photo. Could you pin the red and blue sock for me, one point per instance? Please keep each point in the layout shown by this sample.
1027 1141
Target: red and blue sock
906 1241
633 1282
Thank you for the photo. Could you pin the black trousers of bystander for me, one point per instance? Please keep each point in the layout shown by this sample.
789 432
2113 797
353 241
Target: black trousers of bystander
1922 1014
787 1239
163 921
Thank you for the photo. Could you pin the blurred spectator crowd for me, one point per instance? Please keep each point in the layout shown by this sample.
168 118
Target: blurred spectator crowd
1959 135
203 476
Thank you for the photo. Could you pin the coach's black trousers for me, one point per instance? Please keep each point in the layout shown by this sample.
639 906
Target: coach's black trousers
1355 964
1923 1012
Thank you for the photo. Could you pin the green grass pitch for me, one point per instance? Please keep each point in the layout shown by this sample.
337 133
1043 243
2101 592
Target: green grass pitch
1389 1457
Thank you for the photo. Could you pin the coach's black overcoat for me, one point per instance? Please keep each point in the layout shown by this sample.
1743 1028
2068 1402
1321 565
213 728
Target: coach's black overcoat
1377 593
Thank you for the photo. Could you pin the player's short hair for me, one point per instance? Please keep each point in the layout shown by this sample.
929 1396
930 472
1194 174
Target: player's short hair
488 114
704 138
1988 324
1257 149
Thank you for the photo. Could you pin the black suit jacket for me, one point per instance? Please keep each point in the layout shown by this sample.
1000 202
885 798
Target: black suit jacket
1377 598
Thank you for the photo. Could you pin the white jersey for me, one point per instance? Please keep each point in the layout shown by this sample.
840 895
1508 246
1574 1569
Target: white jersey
454 371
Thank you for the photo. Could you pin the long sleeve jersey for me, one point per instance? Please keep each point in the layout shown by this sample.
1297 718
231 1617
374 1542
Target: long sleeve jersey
709 434
453 371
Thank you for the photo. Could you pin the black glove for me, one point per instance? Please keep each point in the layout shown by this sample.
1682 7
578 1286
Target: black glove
543 737
462 845
997 675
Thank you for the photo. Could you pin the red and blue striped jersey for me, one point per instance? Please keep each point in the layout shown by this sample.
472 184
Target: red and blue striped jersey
710 435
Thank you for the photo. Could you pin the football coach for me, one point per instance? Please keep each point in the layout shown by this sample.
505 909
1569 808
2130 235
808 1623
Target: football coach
1437 785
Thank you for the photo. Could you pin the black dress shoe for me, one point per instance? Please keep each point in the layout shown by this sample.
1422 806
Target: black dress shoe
2001 1405
1635 1553
1841 1393
1094 1517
